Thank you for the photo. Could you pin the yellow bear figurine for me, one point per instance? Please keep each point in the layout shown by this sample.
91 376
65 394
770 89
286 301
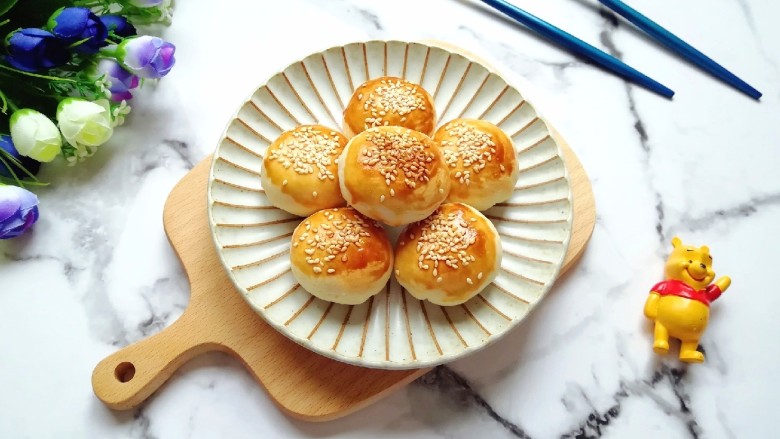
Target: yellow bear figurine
680 305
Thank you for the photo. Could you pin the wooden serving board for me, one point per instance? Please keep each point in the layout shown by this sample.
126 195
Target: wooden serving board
303 384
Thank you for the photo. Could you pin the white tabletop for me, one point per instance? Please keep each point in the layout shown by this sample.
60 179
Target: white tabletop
97 273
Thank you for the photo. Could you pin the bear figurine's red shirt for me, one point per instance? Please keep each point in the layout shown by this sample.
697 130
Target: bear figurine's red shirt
679 288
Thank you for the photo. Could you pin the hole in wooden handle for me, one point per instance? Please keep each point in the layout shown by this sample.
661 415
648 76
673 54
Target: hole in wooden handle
124 372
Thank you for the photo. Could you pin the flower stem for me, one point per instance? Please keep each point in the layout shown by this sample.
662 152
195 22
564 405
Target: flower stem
35 75
108 51
4 100
11 170
5 157
78 43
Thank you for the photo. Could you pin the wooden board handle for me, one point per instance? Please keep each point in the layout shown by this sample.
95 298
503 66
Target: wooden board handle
127 377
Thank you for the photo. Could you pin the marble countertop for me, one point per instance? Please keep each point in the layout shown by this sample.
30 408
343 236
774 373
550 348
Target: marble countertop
98 273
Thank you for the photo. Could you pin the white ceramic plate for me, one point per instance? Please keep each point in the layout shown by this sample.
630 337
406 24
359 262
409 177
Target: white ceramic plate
392 330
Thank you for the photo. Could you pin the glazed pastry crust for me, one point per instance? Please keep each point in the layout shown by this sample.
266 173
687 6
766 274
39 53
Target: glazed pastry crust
300 173
389 101
393 175
449 257
482 162
340 256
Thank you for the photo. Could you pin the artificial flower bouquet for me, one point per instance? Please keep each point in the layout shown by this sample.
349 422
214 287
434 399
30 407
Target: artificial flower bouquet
67 69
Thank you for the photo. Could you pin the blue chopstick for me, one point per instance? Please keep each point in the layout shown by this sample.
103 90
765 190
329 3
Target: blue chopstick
681 47
579 47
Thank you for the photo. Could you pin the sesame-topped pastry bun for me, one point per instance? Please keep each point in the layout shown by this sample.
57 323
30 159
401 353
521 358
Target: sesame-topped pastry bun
482 162
340 256
300 174
394 175
449 257
390 101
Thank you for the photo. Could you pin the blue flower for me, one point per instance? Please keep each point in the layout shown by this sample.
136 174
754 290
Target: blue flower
119 25
79 25
34 49
7 145
18 211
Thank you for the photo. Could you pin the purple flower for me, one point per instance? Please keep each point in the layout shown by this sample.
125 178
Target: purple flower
121 80
146 56
18 211
79 25
119 25
7 145
34 49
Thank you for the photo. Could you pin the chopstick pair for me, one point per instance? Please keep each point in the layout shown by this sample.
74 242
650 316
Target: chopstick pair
603 59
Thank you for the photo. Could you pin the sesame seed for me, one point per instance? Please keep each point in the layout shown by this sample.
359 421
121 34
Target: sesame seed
469 281
381 198
391 152
310 151
397 272
446 238
394 96
314 194
295 244
470 148
502 167
479 276
439 279
392 192
441 190
335 239
331 270
317 269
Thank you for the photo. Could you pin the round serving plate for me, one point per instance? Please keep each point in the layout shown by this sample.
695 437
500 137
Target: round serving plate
392 330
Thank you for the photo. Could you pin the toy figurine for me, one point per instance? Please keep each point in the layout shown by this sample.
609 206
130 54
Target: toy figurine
680 305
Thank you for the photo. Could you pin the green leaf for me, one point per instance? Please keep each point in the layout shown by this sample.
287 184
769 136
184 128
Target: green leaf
6 5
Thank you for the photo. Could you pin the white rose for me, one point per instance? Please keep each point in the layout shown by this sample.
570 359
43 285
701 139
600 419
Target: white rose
84 124
34 135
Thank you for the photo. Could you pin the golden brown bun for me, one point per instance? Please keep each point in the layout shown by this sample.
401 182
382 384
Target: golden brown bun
341 256
300 174
449 257
393 174
482 162
390 101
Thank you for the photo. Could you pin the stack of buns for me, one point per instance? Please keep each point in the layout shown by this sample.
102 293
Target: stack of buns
391 167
